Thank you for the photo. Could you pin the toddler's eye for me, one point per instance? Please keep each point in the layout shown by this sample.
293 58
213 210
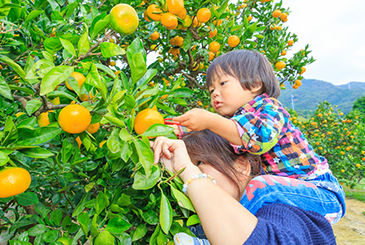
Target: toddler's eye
211 91
199 162
222 83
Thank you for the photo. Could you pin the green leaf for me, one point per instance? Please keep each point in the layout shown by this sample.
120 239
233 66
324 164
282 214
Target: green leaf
193 220
182 200
93 79
32 106
39 136
145 155
80 207
5 90
33 15
84 221
110 49
150 73
99 26
68 46
50 236
101 202
158 130
139 232
143 182
106 69
52 45
54 77
83 45
130 102
117 225
126 152
115 120
181 92
165 214
187 41
36 230
179 101
136 47
27 198
104 238
37 152
138 66
14 66
47 56
56 217
3 158
40 69
61 94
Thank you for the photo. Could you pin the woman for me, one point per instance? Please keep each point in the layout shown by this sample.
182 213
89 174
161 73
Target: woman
224 219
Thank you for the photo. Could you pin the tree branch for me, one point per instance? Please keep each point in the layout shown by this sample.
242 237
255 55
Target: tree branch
191 79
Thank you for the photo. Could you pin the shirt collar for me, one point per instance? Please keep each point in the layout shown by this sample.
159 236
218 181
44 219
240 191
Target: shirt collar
251 105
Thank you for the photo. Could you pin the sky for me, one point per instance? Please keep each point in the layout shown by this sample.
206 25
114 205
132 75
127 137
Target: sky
335 32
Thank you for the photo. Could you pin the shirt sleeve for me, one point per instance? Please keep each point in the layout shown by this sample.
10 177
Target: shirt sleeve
260 131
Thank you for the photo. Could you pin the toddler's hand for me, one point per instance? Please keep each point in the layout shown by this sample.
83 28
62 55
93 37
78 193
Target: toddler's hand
195 119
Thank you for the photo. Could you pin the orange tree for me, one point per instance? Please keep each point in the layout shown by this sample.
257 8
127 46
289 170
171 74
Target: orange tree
339 138
98 183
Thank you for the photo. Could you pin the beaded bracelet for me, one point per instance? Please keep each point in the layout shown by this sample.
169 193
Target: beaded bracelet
195 177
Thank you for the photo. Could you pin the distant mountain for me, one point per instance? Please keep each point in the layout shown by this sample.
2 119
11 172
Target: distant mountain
312 91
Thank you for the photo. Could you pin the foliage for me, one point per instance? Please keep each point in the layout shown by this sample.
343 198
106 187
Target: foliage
339 138
360 105
96 191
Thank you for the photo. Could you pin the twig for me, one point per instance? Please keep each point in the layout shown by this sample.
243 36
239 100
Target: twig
191 79
101 4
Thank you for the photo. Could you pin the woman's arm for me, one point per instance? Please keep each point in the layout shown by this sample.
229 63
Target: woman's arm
225 221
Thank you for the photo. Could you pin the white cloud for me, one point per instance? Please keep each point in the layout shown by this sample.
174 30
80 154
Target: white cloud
335 31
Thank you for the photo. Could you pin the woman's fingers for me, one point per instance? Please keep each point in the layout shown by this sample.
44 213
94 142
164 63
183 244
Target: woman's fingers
161 147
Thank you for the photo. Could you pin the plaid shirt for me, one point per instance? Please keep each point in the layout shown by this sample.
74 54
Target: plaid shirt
265 129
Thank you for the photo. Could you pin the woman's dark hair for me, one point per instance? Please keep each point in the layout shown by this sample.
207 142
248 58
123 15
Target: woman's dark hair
250 67
212 149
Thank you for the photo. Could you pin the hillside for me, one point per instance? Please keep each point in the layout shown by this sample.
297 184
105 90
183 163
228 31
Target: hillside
313 91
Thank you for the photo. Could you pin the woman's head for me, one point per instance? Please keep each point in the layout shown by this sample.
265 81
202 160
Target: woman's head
209 148
250 67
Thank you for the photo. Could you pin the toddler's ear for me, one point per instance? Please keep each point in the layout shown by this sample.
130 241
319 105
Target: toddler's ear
243 166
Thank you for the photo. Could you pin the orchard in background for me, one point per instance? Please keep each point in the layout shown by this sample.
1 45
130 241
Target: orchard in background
93 179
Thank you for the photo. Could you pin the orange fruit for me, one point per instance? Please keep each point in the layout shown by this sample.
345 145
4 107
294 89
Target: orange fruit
145 16
146 119
13 181
112 63
203 15
290 42
174 51
79 78
302 70
278 28
213 33
175 6
295 86
84 97
92 128
102 143
123 19
211 55
187 21
214 47
169 20
233 41
283 52
249 18
43 119
196 22
154 12
280 65
285 20
155 35
217 22
164 96
74 119
284 16
298 83
178 41
276 13
182 14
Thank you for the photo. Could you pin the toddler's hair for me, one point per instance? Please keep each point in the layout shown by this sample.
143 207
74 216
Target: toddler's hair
250 67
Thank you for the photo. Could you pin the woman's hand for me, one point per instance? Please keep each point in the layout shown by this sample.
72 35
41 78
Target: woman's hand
174 156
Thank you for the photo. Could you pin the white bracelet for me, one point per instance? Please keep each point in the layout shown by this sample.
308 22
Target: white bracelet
195 177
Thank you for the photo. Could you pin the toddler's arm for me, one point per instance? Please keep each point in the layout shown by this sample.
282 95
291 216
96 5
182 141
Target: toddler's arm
260 131
199 119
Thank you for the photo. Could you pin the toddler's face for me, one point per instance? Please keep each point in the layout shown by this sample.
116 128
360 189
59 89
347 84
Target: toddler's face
227 95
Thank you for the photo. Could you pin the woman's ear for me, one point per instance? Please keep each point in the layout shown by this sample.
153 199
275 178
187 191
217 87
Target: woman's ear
243 166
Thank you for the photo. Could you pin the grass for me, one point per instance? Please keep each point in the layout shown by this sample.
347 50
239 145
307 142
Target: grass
358 192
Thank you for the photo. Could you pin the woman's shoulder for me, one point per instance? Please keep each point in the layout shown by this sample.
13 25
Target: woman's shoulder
285 224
